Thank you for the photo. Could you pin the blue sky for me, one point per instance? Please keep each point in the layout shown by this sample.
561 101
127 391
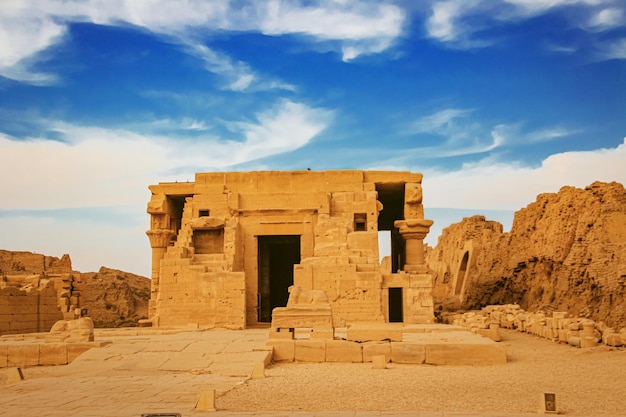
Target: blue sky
495 101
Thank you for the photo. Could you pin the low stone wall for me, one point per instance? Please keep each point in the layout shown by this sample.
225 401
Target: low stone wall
441 345
40 353
28 310
557 326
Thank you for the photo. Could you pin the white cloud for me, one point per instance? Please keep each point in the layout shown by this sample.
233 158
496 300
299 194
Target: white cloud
21 41
512 134
99 167
437 122
606 19
29 27
506 186
462 24
613 50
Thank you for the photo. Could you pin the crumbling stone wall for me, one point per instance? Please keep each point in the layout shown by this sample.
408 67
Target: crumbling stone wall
565 252
36 291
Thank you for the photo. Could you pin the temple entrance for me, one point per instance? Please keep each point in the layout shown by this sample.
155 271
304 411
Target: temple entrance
277 256
395 305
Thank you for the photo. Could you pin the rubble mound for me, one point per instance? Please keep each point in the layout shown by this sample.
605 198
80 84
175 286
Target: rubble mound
565 252
115 298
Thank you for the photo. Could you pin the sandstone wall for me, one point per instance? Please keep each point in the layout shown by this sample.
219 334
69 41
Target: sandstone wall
35 291
565 252
38 290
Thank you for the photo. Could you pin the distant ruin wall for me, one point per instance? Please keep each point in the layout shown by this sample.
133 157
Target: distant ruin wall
565 252
36 291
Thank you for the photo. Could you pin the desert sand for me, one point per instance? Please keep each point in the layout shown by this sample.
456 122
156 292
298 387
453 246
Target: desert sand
587 382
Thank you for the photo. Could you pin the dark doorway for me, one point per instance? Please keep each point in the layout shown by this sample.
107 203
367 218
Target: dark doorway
391 196
277 256
395 305
460 279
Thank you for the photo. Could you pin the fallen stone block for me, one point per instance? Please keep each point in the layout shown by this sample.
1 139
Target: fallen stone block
10 375
379 362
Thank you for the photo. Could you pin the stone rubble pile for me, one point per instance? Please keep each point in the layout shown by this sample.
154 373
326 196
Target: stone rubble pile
557 326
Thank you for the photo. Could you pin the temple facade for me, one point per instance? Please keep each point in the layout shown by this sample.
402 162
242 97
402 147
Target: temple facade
227 247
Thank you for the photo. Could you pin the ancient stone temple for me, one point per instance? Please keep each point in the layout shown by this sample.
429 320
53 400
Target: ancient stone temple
227 247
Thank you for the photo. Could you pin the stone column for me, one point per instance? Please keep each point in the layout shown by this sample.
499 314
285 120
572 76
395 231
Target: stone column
159 241
414 231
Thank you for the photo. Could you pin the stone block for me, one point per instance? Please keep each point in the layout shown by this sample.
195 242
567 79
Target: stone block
374 331
322 334
371 349
23 354
493 333
283 334
588 342
402 352
53 354
465 354
206 401
3 356
310 350
74 350
343 351
10 376
282 350
609 339
379 362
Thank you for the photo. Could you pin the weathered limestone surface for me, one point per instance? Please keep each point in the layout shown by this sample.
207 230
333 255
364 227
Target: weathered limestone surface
226 247
565 252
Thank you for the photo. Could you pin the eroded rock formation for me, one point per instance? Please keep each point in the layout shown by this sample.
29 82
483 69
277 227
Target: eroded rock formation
565 252
116 298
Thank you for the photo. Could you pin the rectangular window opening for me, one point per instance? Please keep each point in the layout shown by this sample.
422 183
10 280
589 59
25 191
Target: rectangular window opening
203 213
360 222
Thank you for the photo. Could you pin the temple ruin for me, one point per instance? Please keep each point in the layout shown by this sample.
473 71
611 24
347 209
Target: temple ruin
227 247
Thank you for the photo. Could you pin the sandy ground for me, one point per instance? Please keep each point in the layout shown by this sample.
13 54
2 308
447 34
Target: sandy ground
587 382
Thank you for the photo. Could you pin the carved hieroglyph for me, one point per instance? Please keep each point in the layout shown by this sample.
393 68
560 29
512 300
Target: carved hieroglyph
226 247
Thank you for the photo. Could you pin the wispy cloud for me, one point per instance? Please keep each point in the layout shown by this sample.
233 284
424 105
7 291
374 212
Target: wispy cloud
466 24
354 28
121 162
514 134
458 133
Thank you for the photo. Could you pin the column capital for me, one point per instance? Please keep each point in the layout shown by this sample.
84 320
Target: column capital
160 238
413 228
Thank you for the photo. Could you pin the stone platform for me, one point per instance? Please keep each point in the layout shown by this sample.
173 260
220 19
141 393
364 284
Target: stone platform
431 344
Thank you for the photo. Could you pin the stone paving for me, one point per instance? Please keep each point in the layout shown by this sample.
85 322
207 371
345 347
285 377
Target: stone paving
150 371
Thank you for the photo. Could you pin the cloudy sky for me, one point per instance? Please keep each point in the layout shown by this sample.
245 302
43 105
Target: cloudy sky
495 101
